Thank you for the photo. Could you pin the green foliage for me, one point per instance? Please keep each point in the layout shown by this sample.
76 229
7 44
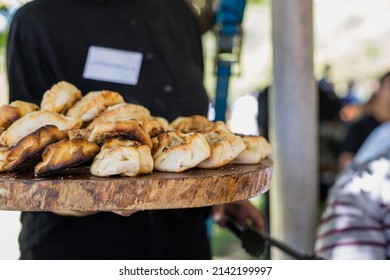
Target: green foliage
4 8
3 40
258 2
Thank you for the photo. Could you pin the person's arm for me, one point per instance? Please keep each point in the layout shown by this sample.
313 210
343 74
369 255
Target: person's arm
351 227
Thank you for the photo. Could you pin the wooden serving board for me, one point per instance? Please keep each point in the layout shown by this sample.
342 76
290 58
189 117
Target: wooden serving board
77 189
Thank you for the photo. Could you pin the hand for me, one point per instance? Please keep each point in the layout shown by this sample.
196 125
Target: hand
74 213
125 213
243 211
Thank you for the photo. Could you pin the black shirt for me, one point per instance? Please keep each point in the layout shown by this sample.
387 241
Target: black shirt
357 134
48 42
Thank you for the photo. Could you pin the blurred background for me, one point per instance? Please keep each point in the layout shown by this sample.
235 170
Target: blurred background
352 50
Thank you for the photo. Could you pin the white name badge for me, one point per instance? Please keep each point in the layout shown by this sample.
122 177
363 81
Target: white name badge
112 65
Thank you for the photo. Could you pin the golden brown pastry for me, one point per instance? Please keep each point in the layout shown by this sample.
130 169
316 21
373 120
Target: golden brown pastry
121 112
8 114
32 122
122 157
152 126
131 130
4 152
163 122
24 107
14 111
195 123
154 144
65 154
220 125
93 104
177 151
29 149
256 149
79 133
225 146
60 97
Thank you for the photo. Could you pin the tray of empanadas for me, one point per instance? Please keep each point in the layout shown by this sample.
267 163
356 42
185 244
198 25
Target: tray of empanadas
98 153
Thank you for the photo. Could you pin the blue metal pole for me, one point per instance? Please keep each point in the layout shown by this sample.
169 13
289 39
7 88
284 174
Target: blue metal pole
228 19
223 73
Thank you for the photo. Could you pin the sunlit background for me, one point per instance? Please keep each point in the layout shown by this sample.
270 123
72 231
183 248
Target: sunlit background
352 36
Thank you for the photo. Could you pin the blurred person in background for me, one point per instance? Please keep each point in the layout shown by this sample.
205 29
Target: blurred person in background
376 112
356 221
325 83
350 96
49 41
328 138
329 126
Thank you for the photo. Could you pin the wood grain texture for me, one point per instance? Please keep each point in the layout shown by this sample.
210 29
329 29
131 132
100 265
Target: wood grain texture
76 189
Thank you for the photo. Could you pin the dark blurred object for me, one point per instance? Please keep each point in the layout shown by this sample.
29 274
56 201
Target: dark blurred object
263 113
329 134
358 133
255 242
325 82
251 240
350 97
330 104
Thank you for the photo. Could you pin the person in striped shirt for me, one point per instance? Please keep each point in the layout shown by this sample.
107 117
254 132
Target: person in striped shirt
356 221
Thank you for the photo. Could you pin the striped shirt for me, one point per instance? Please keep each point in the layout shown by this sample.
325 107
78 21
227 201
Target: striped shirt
356 221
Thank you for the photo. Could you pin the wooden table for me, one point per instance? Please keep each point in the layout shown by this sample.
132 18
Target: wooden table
77 189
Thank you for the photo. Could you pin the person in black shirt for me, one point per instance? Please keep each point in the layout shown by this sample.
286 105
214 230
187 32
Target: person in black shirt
358 132
54 40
